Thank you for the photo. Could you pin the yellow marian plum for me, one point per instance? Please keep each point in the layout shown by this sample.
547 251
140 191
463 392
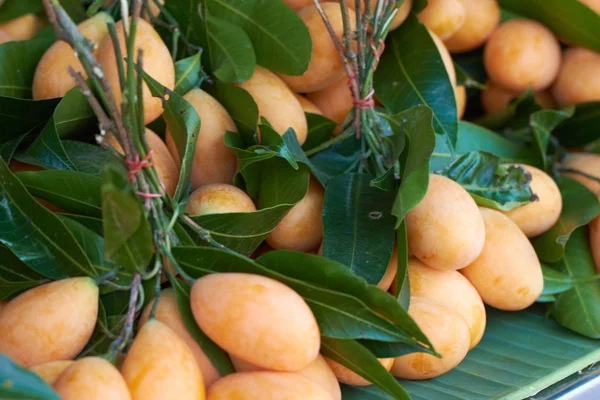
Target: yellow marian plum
345 375
461 101
446 58
166 168
443 17
538 216
50 371
213 161
335 100
307 105
579 78
595 241
22 28
451 289
50 322
448 333
482 17
495 98
276 102
302 228
256 319
157 63
167 312
588 164
507 274
522 53
445 230
325 66
318 371
219 198
159 365
51 77
266 385
5 37
93 378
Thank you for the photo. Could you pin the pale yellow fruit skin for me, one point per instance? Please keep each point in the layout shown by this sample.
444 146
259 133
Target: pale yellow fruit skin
451 289
443 17
586 163
482 17
595 241
318 371
159 365
461 101
495 98
335 100
302 227
276 102
22 28
214 162
345 375
93 378
256 319
166 168
167 312
538 216
50 371
219 198
507 274
593 4
307 105
448 333
579 78
522 53
325 66
157 63
445 230
51 77
266 386
446 58
50 322
5 37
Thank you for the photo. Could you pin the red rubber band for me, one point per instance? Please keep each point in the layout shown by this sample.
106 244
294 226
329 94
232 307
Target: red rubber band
149 195
366 103
377 53
137 165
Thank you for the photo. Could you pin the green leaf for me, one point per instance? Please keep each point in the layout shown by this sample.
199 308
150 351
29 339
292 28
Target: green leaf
127 233
19 116
19 61
91 243
579 308
184 125
490 183
280 38
241 107
357 358
320 129
402 281
8 148
411 72
15 275
75 9
580 206
188 74
338 314
71 191
19 383
569 19
93 224
341 158
47 150
582 128
464 79
12 9
359 226
88 158
555 282
50 249
217 356
542 124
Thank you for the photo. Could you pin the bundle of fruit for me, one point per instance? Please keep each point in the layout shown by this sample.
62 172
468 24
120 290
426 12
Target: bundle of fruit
280 199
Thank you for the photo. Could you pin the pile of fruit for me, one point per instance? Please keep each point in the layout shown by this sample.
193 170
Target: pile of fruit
280 199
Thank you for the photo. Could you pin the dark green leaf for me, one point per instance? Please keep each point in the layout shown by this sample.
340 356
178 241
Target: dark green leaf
546 298
464 79
580 206
515 117
128 238
15 276
71 191
184 125
88 158
579 308
281 40
93 224
357 358
47 150
418 5
542 124
569 19
19 383
217 356
341 158
582 128
12 9
91 243
8 148
359 226
402 281
74 8
320 129
489 182
411 72
50 248
555 282
19 116
19 60
188 74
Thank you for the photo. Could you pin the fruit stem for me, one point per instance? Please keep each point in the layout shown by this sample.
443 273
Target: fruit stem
122 340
